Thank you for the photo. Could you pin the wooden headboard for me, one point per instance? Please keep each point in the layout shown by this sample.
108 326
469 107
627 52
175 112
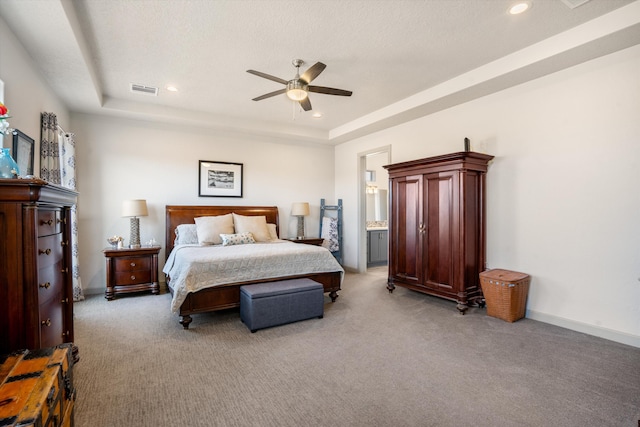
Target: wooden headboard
176 215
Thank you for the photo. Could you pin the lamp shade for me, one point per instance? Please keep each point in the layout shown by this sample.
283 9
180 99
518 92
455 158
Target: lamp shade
300 209
134 208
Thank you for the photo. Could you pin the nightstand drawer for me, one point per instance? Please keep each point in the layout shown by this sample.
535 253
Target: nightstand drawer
133 277
131 264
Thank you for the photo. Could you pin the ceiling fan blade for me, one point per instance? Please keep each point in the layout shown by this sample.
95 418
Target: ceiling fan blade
329 90
313 72
270 94
305 104
267 76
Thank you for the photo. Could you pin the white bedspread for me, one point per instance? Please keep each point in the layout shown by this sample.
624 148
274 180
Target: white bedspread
193 267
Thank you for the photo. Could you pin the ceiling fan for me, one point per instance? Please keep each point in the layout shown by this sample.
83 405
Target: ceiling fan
298 88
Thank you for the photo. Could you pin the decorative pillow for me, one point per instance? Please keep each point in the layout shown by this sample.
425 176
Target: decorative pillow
273 231
186 234
209 228
236 239
256 225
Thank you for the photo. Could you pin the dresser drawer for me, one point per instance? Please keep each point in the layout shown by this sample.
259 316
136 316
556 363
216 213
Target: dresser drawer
49 222
51 282
50 250
131 264
51 322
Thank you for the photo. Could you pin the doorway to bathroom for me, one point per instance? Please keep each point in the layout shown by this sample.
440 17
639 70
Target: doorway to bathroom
375 205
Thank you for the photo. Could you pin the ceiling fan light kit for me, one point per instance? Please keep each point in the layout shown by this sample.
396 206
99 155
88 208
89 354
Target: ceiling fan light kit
298 88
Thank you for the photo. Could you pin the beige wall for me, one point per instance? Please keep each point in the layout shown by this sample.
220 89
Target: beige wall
26 92
563 200
119 159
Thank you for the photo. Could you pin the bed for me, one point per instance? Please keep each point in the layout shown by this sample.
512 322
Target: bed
227 295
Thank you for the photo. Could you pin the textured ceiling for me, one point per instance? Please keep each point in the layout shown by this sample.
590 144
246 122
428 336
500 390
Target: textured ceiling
401 59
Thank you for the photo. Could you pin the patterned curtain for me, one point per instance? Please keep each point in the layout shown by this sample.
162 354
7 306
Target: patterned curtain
50 149
58 166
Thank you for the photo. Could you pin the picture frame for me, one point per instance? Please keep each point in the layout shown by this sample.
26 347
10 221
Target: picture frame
23 152
219 179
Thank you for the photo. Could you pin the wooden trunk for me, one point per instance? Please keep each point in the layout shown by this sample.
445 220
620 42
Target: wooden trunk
36 388
437 225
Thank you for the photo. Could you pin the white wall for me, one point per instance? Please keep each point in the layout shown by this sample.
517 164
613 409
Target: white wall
26 92
119 159
563 197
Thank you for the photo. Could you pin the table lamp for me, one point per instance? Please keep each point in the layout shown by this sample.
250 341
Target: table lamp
134 209
300 210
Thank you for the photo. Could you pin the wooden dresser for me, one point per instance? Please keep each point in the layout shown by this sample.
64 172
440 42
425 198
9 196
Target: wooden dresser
437 226
36 295
36 388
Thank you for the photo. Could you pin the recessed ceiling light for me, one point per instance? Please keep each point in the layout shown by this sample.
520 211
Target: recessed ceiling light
172 88
520 7
316 115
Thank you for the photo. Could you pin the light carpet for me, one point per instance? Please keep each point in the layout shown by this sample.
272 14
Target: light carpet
375 359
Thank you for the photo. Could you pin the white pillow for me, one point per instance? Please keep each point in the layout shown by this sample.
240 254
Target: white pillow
236 239
256 225
273 231
210 228
186 234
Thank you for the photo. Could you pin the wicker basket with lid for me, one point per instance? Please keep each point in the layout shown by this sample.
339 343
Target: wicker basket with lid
505 293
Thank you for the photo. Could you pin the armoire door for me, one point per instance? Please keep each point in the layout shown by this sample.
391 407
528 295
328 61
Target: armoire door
406 229
441 248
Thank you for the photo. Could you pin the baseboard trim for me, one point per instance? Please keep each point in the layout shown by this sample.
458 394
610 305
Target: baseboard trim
609 334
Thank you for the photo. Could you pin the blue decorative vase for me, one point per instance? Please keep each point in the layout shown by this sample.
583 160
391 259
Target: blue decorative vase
8 166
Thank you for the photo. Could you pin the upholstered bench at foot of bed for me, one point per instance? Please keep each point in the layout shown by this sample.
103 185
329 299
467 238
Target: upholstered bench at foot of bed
276 303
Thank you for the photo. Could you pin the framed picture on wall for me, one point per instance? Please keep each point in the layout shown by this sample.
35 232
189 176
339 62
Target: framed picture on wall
219 179
23 148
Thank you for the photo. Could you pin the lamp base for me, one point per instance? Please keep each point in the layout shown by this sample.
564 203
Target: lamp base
134 241
300 233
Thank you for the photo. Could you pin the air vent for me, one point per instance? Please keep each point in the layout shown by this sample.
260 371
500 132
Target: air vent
147 90
572 4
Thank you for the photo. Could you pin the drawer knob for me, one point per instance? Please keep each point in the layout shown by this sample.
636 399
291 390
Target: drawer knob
63 243
49 222
45 285
45 252
46 322
133 264
65 334
64 301
133 277
64 270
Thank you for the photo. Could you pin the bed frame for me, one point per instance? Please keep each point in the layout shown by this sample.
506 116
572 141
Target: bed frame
228 296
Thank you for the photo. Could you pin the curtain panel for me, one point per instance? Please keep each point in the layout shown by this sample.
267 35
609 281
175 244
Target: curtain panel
58 166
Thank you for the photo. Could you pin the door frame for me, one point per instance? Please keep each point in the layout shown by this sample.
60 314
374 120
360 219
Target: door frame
362 204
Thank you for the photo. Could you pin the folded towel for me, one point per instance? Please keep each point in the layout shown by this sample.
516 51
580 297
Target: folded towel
330 233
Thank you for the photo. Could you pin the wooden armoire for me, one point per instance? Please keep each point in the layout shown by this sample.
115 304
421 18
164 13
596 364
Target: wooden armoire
437 226
36 288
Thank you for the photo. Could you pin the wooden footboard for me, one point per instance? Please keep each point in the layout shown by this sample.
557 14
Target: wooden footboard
228 296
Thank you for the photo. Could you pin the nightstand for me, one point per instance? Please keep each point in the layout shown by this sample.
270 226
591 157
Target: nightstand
308 240
132 270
